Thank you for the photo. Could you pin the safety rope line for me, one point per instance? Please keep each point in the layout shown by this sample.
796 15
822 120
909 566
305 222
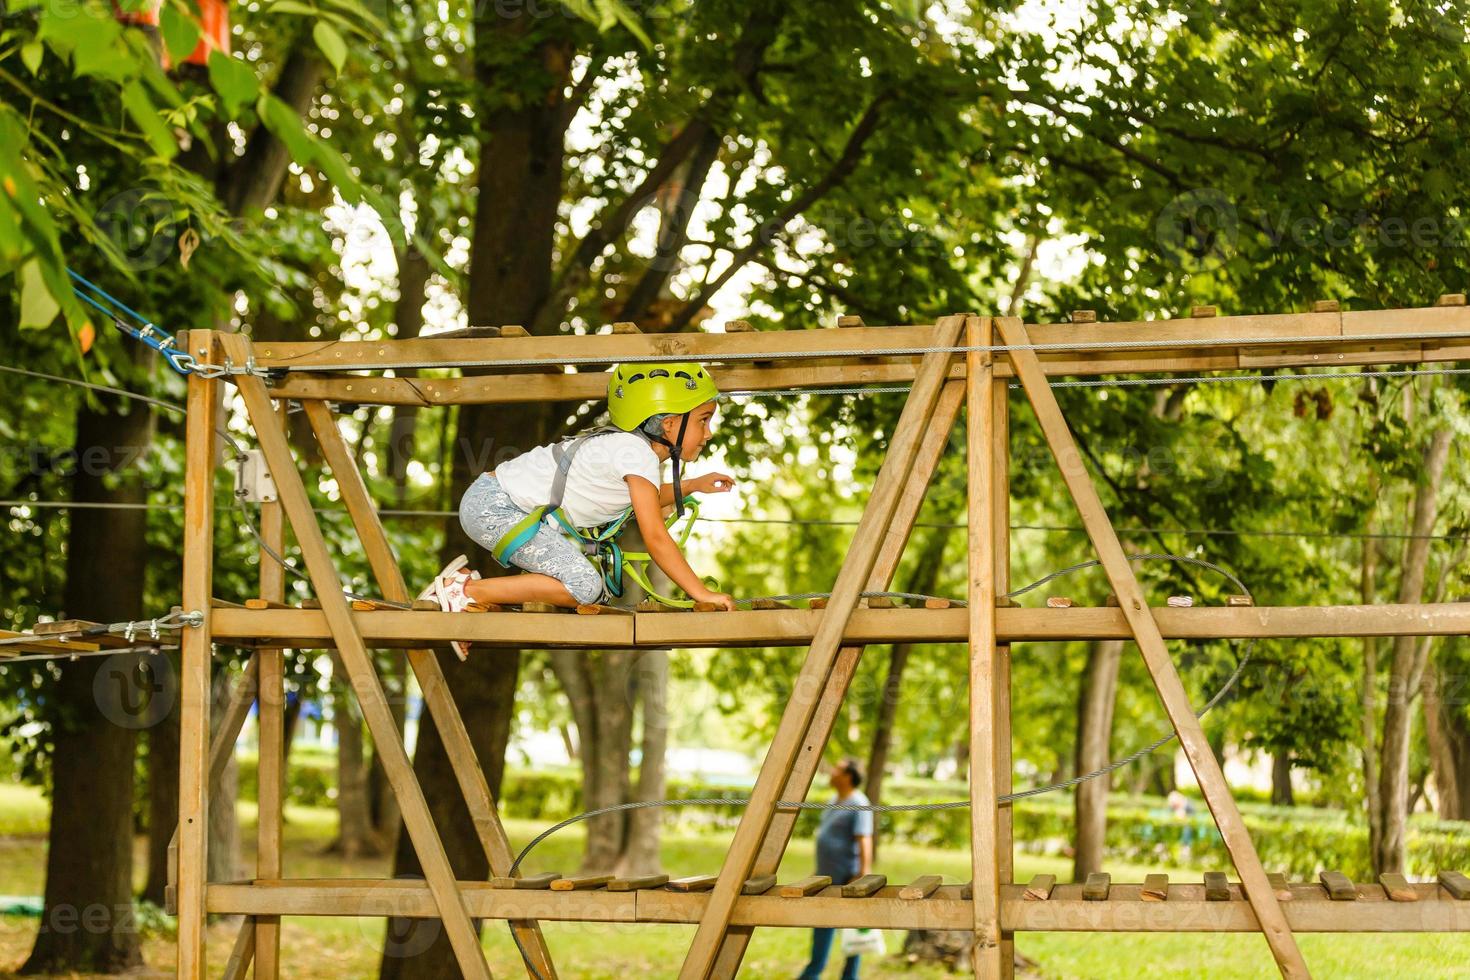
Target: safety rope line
1059 347
128 629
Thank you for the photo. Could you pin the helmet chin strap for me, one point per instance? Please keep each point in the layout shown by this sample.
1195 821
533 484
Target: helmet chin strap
676 453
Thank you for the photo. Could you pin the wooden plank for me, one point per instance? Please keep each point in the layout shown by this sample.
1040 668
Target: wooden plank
237 967
1134 606
425 665
801 707
637 883
1155 888
1185 911
600 610
1000 457
1397 887
1456 884
864 886
1097 886
1217 887
536 882
693 883
360 671
803 887
1038 889
194 672
920 888
271 733
985 957
1280 886
759 885
1339 888
576 883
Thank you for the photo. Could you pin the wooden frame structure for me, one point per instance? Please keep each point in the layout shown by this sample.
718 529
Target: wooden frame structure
961 359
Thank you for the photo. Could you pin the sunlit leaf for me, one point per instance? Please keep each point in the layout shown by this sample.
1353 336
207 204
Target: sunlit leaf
331 43
180 32
234 80
38 308
145 114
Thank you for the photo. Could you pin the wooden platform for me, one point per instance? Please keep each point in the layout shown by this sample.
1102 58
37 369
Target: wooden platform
1311 909
307 628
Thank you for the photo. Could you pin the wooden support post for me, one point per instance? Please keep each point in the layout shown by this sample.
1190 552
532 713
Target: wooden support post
194 662
1155 654
980 505
430 675
811 683
360 671
1001 685
932 449
271 765
237 967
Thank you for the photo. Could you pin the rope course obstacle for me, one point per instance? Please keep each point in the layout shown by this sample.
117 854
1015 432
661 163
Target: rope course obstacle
962 360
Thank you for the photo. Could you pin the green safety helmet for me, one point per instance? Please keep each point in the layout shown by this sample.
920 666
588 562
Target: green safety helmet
637 392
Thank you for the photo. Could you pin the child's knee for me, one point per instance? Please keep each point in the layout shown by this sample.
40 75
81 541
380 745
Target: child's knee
586 589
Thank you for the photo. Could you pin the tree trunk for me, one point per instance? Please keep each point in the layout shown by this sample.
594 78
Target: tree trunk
1369 695
1441 752
88 923
163 797
355 836
413 281
641 855
383 807
1398 711
606 752
1094 750
224 792
1281 794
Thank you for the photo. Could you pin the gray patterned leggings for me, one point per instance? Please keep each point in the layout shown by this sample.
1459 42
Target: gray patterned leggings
486 513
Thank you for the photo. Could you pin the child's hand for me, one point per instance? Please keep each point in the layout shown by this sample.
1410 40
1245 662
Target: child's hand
719 598
711 483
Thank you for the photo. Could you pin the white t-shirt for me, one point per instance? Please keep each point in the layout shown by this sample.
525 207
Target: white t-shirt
595 492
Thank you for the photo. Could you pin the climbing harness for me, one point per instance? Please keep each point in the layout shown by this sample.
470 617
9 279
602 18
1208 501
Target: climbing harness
599 544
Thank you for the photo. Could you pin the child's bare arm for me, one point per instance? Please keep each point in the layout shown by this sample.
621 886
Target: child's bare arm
708 483
661 546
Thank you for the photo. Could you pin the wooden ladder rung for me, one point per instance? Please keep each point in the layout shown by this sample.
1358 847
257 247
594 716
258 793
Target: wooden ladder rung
1280 886
273 604
542 607
1155 888
1456 884
694 883
921 887
637 883
539 882
1339 887
1038 889
864 886
1217 887
804 887
758 885
601 610
1097 886
578 883
1397 887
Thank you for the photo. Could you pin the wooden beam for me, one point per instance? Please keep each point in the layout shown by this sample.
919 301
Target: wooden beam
1186 911
359 667
1000 521
980 506
1156 655
271 755
237 967
920 888
931 449
194 679
801 707
447 718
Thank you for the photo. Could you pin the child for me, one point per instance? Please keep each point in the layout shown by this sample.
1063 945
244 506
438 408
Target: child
661 411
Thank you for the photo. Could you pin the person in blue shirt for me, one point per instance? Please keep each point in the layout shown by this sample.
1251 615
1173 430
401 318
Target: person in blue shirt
844 852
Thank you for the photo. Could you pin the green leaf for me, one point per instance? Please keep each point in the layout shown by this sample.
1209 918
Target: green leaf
11 239
31 54
38 308
292 7
93 39
145 114
285 125
234 80
180 32
331 43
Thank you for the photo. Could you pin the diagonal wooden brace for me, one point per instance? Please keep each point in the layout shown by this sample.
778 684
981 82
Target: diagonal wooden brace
1155 654
935 442
812 681
430 674
438 873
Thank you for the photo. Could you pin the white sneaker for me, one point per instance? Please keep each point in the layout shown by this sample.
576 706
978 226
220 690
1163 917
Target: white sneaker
448 590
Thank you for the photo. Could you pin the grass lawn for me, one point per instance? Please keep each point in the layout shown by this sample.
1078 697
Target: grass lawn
350 948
